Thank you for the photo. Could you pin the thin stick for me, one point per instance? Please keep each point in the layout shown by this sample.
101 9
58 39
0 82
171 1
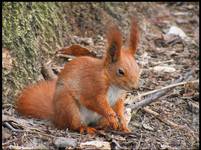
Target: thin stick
11 128
166 87
168 122
29 130
25 127
10 141
24 148
123 133
162 62
39 132
162 91
138 145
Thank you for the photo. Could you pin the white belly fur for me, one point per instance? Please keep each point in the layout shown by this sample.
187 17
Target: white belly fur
88 116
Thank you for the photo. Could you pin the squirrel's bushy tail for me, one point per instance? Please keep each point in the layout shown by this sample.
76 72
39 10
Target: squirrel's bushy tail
36 100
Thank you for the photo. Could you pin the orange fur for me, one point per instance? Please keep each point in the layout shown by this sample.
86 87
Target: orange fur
134 36
36 100
87 90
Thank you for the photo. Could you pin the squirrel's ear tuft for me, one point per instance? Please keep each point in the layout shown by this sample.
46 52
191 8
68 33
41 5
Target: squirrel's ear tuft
134 36
114 38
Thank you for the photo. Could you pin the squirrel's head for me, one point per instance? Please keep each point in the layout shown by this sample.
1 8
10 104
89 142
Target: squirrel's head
121 65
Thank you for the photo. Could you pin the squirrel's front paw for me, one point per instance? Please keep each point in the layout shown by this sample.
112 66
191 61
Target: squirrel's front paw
113 120
123 127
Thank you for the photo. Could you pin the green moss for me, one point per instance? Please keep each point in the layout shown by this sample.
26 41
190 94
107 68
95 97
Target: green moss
29 33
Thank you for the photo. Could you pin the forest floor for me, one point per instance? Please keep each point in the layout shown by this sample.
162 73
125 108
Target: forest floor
171 122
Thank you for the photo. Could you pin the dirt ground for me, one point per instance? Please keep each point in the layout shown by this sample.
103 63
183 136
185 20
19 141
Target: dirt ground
177 125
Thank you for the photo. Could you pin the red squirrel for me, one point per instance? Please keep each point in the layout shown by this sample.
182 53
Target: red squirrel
88 90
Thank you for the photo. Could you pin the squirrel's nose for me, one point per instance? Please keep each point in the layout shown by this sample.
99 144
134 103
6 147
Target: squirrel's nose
135 86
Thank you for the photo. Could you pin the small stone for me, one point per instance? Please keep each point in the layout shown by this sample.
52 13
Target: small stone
62 142
95 145
177 31
164 69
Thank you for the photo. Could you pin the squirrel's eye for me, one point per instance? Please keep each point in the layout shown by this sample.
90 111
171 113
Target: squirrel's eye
120 72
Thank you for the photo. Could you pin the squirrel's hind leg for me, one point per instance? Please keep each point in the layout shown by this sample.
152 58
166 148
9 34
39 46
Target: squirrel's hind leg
67 114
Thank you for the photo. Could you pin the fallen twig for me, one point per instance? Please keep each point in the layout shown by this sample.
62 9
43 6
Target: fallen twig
167 121
24 127
25 148
118 146
162 62
158 93
168 87
11 127
39 132
10 141
155 94
138 145
123 133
